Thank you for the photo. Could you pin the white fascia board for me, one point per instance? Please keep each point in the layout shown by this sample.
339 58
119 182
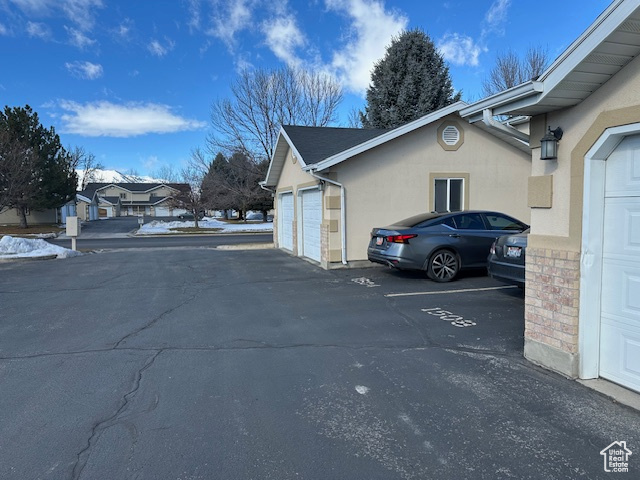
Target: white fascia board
267 179
82 198
530 89
585 44
293 147
386 137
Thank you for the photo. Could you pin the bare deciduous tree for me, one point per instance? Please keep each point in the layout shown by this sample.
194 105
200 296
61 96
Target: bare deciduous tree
192 174
86 165
166 173
233 183
263 100
510 70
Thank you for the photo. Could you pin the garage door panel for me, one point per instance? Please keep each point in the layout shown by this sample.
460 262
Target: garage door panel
622 227
623 169
621 290
620 354
620 299
311 220
286 221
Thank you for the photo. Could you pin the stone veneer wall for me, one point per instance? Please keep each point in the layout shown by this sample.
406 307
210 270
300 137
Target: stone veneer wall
324 246
552 300
294 225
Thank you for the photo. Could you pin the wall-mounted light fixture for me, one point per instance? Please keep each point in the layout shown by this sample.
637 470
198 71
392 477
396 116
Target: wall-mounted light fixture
549 144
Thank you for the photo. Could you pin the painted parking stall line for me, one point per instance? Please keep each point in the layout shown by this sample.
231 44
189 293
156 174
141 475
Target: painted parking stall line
463 290
366 282
447 316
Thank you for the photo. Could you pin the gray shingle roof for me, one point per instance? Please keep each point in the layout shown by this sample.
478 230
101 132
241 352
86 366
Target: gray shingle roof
318 143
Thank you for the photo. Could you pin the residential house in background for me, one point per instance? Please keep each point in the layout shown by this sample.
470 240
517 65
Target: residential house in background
106 200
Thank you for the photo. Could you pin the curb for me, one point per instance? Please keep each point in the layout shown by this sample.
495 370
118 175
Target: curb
28 259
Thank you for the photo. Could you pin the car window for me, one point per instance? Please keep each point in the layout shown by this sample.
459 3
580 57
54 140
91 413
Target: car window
497 221
416 220
469 221
448 221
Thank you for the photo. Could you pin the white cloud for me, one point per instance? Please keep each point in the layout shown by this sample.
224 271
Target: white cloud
496 16
160 50
124 29
105 119
78 39
3 30
460 49
84 70
372 28
283 37
194 14
230 19
80 12
150 162
38 30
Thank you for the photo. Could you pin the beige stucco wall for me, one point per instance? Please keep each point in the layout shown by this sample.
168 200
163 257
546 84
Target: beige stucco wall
392 182
81 209
10 217
616 103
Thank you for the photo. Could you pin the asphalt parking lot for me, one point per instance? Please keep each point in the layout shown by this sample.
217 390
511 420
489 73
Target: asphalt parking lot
201 363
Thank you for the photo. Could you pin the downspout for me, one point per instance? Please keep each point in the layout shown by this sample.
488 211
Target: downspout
343 213
489 121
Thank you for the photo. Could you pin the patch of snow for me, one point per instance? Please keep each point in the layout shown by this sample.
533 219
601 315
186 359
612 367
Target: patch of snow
157 227
16 247
362 390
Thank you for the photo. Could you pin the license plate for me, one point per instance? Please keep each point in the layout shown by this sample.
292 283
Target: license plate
379 240
513 252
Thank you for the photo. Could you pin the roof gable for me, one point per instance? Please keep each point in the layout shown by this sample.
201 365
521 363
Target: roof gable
318 148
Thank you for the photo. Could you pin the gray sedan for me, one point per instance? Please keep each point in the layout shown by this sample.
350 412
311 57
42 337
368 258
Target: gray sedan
441 244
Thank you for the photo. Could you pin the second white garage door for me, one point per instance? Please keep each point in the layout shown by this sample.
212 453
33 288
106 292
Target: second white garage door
620 317
311 220
285 227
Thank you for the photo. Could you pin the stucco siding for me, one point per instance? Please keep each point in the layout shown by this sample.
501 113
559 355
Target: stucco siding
10 217
622 92
392 181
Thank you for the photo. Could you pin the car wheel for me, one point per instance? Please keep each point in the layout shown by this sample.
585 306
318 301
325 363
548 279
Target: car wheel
443 266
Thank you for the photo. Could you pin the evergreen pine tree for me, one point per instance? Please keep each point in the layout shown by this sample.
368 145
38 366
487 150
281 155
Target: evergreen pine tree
411 81
36 172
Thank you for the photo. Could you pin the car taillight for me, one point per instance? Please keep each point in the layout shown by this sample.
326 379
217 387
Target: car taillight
492 251
400 238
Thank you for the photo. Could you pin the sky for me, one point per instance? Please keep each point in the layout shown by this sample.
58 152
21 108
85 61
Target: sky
132 82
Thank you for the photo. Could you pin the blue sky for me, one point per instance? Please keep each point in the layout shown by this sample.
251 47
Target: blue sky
133 81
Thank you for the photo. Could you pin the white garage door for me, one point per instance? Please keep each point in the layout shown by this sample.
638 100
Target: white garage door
311 219
163 212
620 318
285 225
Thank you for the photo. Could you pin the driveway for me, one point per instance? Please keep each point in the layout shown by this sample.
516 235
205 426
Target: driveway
252 364
116 227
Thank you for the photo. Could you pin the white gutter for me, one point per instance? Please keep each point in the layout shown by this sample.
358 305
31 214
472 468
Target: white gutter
264 187
523 91
343 213
489 121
